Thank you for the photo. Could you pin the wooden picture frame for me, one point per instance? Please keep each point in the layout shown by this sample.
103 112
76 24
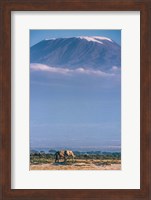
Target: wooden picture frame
6 7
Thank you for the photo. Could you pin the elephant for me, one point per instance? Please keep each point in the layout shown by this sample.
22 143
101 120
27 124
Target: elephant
64 154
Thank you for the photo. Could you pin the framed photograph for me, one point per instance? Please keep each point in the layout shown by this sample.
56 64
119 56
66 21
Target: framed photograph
75 118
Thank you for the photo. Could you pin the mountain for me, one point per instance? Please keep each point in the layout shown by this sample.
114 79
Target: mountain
77 52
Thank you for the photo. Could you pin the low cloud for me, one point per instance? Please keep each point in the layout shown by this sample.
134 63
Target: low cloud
115 70
67 71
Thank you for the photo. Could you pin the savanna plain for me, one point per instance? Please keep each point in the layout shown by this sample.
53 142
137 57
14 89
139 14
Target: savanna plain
89 161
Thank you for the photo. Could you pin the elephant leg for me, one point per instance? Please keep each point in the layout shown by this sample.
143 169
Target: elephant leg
65 159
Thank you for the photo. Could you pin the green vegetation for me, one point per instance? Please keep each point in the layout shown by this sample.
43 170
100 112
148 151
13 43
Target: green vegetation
105 158
108 156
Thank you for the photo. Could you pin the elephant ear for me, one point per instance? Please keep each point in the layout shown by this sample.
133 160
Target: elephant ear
66 153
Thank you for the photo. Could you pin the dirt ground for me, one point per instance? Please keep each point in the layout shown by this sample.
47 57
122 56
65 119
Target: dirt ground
78 165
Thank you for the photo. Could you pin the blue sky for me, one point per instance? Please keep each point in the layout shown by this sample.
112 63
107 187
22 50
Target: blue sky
77 111
38 35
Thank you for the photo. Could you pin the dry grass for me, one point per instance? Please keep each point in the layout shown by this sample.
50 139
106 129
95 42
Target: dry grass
79 164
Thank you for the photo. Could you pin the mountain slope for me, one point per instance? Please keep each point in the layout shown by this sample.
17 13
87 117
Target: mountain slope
76 52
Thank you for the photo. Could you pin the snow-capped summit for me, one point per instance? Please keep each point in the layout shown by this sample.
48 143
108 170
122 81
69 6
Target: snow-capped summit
77 52
98 39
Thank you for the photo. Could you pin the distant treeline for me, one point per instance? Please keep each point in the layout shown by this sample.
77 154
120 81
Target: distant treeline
79 155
